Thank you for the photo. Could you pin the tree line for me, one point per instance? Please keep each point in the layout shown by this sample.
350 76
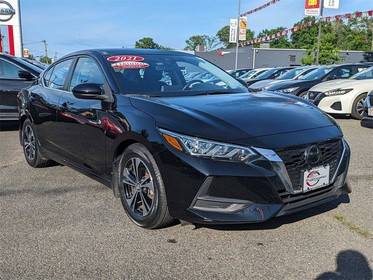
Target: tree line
353 34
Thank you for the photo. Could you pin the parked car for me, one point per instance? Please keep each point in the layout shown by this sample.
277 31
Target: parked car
15 74
344 97
239 72
367 120
292 74
187 149
272 73
300 86
253 73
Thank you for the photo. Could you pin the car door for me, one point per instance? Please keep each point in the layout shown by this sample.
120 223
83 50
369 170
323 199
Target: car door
44 104
10 85
80 120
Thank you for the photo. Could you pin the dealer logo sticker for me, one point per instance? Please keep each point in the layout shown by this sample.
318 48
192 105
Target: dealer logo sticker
6 11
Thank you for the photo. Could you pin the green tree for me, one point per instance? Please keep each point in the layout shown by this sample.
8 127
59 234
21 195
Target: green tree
282 42
148 43
210 42
223 36
194 41
45 59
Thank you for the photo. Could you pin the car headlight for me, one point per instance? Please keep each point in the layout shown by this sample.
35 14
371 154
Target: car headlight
338 91
208 149
288 90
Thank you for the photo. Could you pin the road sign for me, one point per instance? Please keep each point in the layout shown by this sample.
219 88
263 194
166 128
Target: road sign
233 30
312 8
331 4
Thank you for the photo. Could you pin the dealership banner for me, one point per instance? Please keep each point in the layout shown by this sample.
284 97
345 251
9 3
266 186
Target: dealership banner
11 19
331 4
312 8
243 29
233 30
307 25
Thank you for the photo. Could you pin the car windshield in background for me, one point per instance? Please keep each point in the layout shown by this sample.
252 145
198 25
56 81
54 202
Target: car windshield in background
28 64
266 74
291 74
171 75
364 75
316 74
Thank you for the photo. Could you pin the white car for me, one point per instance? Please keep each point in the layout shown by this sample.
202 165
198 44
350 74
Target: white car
343 96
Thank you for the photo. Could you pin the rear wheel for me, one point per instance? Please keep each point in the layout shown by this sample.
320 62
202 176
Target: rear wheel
141 188
30 147
358 107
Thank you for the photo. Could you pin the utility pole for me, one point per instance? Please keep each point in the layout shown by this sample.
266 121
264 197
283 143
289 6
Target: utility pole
238 34
319 34
45 48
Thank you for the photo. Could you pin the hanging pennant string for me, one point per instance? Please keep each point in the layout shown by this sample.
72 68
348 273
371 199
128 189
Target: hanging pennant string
307 25
272 2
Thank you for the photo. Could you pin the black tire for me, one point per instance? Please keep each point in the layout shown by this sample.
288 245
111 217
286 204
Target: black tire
357 109
31 147
153 213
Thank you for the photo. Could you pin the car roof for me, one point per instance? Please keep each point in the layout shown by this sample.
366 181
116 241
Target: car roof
132 51
22 63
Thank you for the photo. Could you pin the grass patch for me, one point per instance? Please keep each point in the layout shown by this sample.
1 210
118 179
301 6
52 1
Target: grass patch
363 232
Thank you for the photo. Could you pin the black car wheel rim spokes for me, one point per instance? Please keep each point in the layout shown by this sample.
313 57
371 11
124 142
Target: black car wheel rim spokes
360 107
29 143
138 187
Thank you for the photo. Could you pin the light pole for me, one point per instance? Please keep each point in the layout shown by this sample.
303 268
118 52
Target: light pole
319 33
238 34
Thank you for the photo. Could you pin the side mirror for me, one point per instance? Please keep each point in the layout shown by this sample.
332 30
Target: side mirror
26 75
88 91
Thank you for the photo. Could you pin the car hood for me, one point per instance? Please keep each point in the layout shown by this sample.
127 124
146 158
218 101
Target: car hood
292 83
337 84
226 117
262 84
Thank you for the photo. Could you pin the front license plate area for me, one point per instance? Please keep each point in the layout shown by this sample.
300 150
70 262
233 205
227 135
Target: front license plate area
370 112
316 178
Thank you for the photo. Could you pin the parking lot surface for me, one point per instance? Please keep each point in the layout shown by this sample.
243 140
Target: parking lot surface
56 223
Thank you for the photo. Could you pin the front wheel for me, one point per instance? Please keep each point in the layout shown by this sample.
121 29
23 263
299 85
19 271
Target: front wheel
358 107
141 188
30 147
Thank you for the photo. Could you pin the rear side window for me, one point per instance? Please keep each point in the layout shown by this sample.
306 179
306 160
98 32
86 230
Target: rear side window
8 70
86 71
342 73
59 74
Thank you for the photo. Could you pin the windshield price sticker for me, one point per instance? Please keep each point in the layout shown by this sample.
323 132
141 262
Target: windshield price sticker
117 58
129 65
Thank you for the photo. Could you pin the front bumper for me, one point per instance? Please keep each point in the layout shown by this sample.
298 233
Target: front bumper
206 191
338 104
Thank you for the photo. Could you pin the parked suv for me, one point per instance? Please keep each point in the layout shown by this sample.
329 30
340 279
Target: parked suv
15 74
172 147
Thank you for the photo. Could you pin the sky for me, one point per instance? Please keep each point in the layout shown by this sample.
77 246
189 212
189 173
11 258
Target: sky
70 25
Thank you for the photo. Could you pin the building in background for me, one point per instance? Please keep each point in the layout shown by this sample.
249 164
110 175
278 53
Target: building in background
249 57
10 27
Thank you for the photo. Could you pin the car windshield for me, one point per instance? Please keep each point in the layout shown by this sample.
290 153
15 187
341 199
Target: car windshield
267 74
171 75
28 64
364 75
291 74
249 74
317 74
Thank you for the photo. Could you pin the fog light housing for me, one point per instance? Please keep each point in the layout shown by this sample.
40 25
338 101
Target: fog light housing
225 206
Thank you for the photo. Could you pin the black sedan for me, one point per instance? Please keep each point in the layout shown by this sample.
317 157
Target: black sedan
300 86
367 120
269 74
173 148
15 73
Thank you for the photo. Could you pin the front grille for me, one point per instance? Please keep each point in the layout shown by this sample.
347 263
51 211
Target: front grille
296 164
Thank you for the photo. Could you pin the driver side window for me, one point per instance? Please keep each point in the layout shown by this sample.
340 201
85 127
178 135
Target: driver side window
8 71
86 71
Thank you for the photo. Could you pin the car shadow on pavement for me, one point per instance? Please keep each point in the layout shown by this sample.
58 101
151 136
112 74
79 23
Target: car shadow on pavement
279 221
8 125
351 265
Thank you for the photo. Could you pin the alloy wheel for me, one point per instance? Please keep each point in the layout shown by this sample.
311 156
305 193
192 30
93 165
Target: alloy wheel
360 106
29 143
138 187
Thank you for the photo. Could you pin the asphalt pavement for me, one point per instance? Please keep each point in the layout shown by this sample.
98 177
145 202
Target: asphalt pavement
58 224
